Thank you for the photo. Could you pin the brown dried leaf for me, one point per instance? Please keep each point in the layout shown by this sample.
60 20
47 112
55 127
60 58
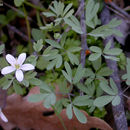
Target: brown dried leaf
26 116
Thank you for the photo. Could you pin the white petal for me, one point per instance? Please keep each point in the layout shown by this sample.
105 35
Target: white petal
7 70
10 59
21 58
19 75
3 117
27 67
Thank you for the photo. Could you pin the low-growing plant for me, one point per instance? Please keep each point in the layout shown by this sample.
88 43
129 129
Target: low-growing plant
55 61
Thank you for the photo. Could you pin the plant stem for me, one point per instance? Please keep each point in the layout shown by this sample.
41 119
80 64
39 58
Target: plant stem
38 19
34 6
28 31
61 120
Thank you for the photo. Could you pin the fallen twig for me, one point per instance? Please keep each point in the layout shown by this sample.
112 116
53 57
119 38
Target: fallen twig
83 36
14 29
113 5
118 111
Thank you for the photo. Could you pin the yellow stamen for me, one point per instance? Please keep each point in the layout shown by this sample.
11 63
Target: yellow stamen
17 66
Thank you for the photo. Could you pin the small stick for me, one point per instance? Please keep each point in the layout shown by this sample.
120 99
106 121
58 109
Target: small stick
14 29
118 111
83 36
119 9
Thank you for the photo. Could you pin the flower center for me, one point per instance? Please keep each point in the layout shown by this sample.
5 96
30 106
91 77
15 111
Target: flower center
17 66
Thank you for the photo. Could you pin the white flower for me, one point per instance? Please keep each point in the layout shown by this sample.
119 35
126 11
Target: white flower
2 116
17 65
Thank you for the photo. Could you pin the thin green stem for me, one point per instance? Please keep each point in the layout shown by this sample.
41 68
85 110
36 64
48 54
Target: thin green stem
34 6
61 120
28 30
38 19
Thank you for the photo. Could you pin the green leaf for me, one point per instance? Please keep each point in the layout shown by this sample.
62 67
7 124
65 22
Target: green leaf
106 30
50 54
38 46
73 58
89 80
106 88
18 3
91 13
94 56
45 87
58 106
67 8
69 14
105 71
111 58
56 6
99 92
41 63
113 51
11 15
37 97
91 89
6 84
53 43
113 86
9 76
32 60
2 47
52 9
57 21
74 49
114 22
68 69
17 88
63 87
61 8
117 33
96 64
34 81
82 88
3 19
79 74
82 100
103 100
124 77
47 26
51 64
25 83
59 61
89 73
50 100
37 34
95 49
69 111
47 51
79 115
108 45
48 14
116 101
30 75
74 23
2 80
67 76
63 39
